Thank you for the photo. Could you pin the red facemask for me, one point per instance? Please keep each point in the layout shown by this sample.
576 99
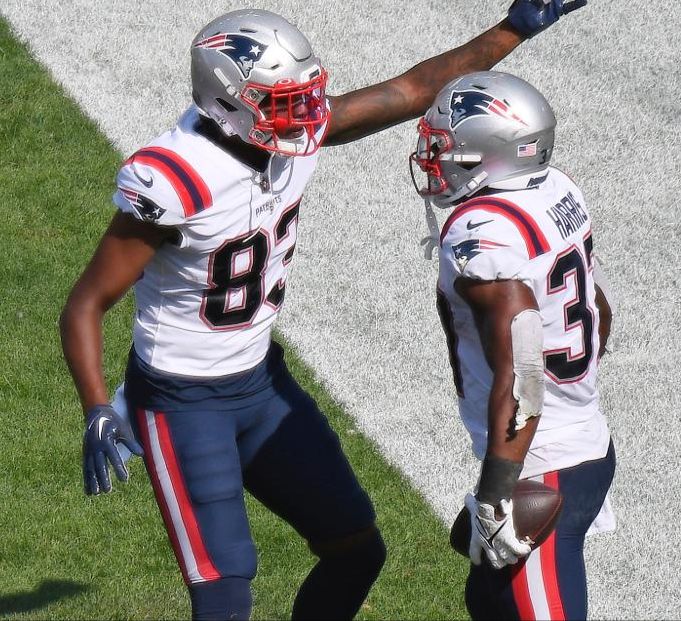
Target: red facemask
289 115
432 144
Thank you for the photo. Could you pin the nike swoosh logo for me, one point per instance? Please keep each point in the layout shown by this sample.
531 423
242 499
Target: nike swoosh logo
481 531
470 226
100 425
145 182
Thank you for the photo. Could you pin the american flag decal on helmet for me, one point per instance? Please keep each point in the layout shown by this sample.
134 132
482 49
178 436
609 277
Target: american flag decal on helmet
243 51
527 150
468 104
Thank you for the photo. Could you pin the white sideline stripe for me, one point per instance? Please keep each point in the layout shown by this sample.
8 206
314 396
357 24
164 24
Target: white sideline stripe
171 501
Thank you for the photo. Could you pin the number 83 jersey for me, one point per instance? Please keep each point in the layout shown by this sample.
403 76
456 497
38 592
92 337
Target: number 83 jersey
206 301
536 230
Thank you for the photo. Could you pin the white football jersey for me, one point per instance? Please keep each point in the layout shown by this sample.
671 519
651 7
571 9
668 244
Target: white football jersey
538 231
206 304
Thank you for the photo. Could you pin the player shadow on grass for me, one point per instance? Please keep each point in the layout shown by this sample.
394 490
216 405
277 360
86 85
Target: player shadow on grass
48 592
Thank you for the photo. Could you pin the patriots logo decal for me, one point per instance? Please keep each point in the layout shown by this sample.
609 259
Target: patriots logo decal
468 104
471 248
243 51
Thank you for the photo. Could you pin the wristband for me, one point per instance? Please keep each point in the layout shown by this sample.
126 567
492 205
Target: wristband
497 479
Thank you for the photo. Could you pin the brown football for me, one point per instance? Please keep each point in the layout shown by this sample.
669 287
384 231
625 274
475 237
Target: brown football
536 509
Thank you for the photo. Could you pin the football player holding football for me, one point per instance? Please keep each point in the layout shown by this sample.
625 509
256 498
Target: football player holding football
524 306
205 231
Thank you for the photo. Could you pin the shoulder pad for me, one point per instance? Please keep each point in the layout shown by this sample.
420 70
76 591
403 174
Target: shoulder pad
157 185
491 239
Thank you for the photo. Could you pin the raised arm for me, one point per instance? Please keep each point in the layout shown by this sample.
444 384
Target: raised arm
371 109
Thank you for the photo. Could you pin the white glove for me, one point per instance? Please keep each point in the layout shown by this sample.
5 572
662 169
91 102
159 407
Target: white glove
496 537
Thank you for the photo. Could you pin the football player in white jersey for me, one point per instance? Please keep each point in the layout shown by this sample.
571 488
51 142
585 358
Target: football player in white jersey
521 299
205 231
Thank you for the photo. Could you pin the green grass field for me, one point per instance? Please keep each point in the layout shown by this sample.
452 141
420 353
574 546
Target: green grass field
65 556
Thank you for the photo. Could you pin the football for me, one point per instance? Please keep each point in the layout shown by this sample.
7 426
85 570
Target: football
536 509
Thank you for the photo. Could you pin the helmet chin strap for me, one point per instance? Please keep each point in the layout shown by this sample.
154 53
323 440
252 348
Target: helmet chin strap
432 241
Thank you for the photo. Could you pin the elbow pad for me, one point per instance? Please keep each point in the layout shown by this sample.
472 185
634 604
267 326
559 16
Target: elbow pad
528 365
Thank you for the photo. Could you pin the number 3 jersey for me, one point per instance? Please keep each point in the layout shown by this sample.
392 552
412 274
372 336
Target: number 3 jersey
538 231
206 301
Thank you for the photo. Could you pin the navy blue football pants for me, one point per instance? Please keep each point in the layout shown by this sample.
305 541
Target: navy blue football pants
551 582
207 440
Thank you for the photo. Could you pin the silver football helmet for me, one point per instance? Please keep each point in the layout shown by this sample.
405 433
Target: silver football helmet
482 128
255 74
